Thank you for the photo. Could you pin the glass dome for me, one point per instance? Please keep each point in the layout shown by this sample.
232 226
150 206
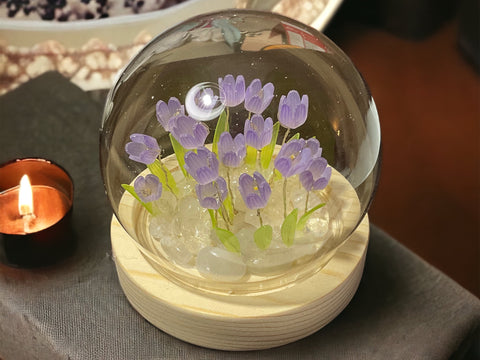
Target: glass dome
214 149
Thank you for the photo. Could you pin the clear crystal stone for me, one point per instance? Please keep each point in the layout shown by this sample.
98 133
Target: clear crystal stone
274 260
220 264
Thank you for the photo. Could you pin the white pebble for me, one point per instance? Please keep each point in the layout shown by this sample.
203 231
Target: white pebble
317 224
82 73
96 60
245 238
167 203
192 224
38 66
220 265
67 66
160 226
176 250
280 259
114 61
13 70
3 63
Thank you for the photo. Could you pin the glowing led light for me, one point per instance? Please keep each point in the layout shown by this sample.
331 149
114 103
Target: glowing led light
203 103
207 100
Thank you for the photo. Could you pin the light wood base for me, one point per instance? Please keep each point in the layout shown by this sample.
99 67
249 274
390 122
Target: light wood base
240 322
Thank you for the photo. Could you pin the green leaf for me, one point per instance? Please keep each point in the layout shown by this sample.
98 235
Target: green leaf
131 190
164 175
267 151
288 227
263 236
228 239
212 217
222 126
294 137
179 154
277 175
229 206
251 157
304 218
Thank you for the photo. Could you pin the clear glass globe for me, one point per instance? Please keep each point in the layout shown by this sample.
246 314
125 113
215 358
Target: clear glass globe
195 62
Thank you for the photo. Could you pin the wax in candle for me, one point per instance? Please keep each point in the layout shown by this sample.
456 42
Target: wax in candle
50 206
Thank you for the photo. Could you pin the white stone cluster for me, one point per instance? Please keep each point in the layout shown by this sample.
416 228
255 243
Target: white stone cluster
92 66
183 232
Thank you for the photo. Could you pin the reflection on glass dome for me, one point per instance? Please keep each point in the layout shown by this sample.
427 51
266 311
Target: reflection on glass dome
240 150
203 101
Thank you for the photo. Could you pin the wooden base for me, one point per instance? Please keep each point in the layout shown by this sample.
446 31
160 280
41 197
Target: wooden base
240 322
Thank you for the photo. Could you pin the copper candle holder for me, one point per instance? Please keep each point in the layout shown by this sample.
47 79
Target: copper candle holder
35 217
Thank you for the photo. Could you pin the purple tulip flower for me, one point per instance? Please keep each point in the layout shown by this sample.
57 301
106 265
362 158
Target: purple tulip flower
231 152
143 148
165 112
317 176
293 158
202 165
292 112
190 133
314 146
258 133
232 91
257 98
148 188
213 194
255 190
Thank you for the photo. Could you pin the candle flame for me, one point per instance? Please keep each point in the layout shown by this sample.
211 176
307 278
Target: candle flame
25 197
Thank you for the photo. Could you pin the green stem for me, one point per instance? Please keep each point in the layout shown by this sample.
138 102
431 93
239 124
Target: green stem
213 217
166 178
155 209
226 120
259 217
285 198
272 176
230 191
224 211
306 201
285 136
225 216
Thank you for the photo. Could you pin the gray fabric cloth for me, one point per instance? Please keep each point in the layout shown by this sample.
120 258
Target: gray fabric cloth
404 308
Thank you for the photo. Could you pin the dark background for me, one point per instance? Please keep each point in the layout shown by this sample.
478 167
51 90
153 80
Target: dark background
421 60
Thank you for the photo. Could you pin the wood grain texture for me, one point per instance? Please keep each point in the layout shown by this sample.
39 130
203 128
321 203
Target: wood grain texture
240 322
234 318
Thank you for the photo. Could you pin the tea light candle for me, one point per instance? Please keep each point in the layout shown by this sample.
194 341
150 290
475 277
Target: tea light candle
36 198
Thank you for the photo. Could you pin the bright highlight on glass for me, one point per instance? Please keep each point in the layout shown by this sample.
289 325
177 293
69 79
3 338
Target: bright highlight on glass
203 101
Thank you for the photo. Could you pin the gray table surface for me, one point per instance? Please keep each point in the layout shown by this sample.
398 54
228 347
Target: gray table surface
403 309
